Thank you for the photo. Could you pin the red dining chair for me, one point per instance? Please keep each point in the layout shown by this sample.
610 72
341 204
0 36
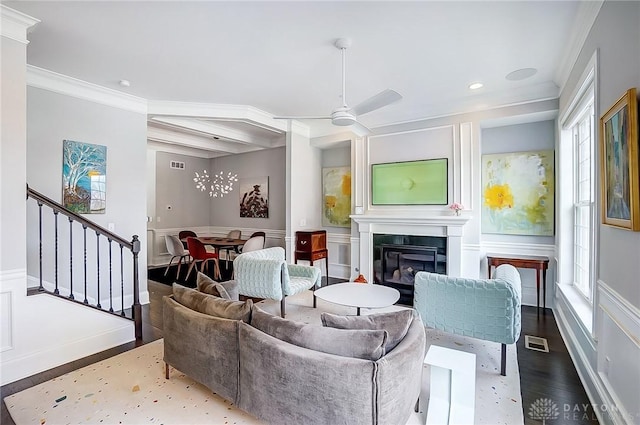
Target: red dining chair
199 253
185 234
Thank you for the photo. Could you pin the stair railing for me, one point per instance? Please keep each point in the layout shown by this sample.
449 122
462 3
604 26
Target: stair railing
133 246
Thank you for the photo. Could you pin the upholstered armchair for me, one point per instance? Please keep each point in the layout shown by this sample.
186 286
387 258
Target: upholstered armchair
265 274
486 309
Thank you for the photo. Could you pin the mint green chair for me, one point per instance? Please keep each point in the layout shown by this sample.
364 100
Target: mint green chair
265 274
486 309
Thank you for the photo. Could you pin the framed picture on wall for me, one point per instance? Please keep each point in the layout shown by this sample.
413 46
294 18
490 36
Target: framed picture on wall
619 158
518 193
254 197
423 182
336 196
84 177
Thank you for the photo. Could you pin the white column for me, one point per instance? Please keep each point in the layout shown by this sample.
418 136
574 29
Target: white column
453 386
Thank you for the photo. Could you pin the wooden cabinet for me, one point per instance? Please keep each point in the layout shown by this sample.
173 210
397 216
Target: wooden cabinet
312 246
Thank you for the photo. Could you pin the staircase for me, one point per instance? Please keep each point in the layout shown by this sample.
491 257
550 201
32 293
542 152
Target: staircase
82 262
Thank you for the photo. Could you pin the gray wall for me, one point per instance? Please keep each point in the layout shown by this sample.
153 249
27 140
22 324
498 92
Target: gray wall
225 212
518 138
179 204
616 36
53 118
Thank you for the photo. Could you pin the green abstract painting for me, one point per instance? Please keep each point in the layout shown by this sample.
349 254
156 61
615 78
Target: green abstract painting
421 182
336 196
518 193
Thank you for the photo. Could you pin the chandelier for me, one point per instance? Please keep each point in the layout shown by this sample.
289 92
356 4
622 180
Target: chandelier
219 186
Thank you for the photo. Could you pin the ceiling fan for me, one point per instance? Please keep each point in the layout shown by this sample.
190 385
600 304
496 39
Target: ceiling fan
344 115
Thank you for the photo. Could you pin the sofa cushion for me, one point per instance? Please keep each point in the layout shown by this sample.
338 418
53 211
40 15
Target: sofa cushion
396 323
228 289
211 304
361 344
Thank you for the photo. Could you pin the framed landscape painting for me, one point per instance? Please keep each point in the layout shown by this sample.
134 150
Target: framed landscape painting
619 158
84 177
336 196
518 193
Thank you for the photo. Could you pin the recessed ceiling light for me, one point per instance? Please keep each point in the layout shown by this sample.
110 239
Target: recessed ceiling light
521 74
125 83
475 86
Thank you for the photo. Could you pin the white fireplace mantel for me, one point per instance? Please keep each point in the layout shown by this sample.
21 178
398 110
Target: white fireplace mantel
449 226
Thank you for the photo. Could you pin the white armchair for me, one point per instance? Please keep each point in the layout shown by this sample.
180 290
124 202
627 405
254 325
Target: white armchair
265 274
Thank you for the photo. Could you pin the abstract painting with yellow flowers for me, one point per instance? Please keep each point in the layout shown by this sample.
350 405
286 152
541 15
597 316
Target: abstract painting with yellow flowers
518 193
336 196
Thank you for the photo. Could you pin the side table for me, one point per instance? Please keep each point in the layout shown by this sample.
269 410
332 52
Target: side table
312 246
540 264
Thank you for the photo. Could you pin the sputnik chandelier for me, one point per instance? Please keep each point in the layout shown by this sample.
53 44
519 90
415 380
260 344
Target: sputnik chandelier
220 186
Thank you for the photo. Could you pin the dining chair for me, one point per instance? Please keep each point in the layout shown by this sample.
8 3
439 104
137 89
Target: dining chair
185 234
233 234
254 243
175 248
199 253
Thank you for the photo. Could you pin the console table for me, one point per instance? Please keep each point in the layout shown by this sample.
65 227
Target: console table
312 246
540 264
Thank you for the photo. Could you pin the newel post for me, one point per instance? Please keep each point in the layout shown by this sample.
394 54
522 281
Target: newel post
136 309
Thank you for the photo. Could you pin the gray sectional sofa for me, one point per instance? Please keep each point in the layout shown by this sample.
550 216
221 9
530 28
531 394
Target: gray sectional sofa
354 370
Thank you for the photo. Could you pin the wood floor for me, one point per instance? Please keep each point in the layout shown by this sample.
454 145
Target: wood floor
550 376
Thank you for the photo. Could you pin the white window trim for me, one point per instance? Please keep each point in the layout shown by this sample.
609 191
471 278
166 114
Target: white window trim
580 306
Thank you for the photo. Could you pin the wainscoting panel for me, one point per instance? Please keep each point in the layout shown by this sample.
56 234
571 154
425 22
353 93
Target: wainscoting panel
339 246
618 353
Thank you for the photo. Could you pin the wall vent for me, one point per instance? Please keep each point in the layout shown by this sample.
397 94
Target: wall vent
178 165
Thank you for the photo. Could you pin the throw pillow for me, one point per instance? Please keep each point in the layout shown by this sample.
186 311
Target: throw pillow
396 323
209 286
212 305
361 344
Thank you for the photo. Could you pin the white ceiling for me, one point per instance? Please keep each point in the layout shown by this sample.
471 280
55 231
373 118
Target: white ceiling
279 57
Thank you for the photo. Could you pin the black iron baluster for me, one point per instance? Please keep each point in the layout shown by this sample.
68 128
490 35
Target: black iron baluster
121 284
98 261
84 229
55 267
136 308
71 258
110 280
40 288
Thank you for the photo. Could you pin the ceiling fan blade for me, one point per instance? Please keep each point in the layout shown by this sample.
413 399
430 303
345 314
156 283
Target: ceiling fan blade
302 118
381 99
360 129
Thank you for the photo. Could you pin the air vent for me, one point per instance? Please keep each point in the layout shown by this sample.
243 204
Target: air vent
178 165
536 343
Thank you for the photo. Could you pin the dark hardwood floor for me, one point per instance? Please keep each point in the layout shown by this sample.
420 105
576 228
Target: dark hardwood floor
550 376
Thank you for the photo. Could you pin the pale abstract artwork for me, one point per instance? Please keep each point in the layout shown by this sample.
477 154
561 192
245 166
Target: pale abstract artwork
336 196
84 177
518 193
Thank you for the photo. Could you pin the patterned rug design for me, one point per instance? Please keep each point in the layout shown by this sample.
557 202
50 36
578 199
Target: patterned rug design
130 388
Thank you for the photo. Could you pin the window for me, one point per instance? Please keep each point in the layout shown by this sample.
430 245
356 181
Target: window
583 199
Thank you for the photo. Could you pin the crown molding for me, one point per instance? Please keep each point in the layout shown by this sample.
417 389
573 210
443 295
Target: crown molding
586 16
221 112
58 83
14 24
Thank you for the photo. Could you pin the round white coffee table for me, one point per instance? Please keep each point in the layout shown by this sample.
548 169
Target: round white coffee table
359 295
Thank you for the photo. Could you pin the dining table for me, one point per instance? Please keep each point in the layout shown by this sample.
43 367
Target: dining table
218 242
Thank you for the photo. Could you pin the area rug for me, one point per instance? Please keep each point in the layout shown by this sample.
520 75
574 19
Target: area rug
130 388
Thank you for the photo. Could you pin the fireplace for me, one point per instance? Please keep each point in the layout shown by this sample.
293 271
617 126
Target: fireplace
397 259
430 243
